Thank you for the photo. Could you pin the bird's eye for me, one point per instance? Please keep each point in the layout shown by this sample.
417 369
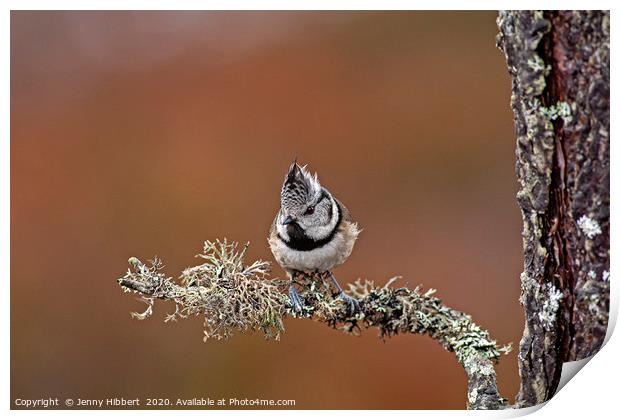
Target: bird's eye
309 211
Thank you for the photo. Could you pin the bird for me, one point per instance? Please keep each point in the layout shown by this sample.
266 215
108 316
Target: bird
312 231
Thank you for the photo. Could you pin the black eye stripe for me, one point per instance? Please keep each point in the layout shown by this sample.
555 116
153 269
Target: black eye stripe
322 197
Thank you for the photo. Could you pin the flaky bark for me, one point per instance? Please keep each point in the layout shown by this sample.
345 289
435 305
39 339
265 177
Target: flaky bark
559 64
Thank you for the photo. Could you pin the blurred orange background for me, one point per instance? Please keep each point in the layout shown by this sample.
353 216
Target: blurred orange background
145 133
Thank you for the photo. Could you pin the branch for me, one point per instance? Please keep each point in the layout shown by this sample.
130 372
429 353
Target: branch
232 296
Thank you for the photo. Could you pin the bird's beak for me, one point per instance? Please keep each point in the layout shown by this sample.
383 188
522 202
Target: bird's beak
288 220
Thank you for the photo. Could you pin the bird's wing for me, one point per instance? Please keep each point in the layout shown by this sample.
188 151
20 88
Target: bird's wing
346 214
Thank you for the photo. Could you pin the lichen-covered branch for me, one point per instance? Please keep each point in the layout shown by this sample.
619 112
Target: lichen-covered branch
232 296
559 65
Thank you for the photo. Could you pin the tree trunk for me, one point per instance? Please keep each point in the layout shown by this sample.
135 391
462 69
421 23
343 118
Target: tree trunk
559 64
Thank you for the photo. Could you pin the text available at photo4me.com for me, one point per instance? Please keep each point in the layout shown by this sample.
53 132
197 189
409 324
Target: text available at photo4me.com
116 402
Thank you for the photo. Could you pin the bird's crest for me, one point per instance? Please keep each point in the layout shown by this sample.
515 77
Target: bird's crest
299 185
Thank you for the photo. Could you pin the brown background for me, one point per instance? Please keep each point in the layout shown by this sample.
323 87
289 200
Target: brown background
147 133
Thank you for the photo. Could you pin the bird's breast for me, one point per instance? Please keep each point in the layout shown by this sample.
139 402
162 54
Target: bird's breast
316 258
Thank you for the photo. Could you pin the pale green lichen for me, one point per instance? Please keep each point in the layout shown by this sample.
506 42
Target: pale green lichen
559 110
537 85
551 304
595 300
472 396
230 295
589 226
537 64
528 286
233 296
546 293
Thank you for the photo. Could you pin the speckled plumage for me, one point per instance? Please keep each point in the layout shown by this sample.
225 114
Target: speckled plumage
318 241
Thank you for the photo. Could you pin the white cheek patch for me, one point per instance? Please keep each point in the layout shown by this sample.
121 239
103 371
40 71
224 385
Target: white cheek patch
320 232
282 231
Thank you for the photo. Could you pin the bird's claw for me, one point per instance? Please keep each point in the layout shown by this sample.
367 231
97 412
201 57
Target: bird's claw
297 306
353 305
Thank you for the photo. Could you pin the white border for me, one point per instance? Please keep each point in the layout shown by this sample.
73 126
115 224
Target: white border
301 5
591 394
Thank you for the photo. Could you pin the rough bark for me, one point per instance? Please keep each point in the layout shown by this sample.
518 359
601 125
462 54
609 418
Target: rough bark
559 65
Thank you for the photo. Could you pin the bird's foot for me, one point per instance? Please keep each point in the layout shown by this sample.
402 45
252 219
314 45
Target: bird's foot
296 303
353 305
